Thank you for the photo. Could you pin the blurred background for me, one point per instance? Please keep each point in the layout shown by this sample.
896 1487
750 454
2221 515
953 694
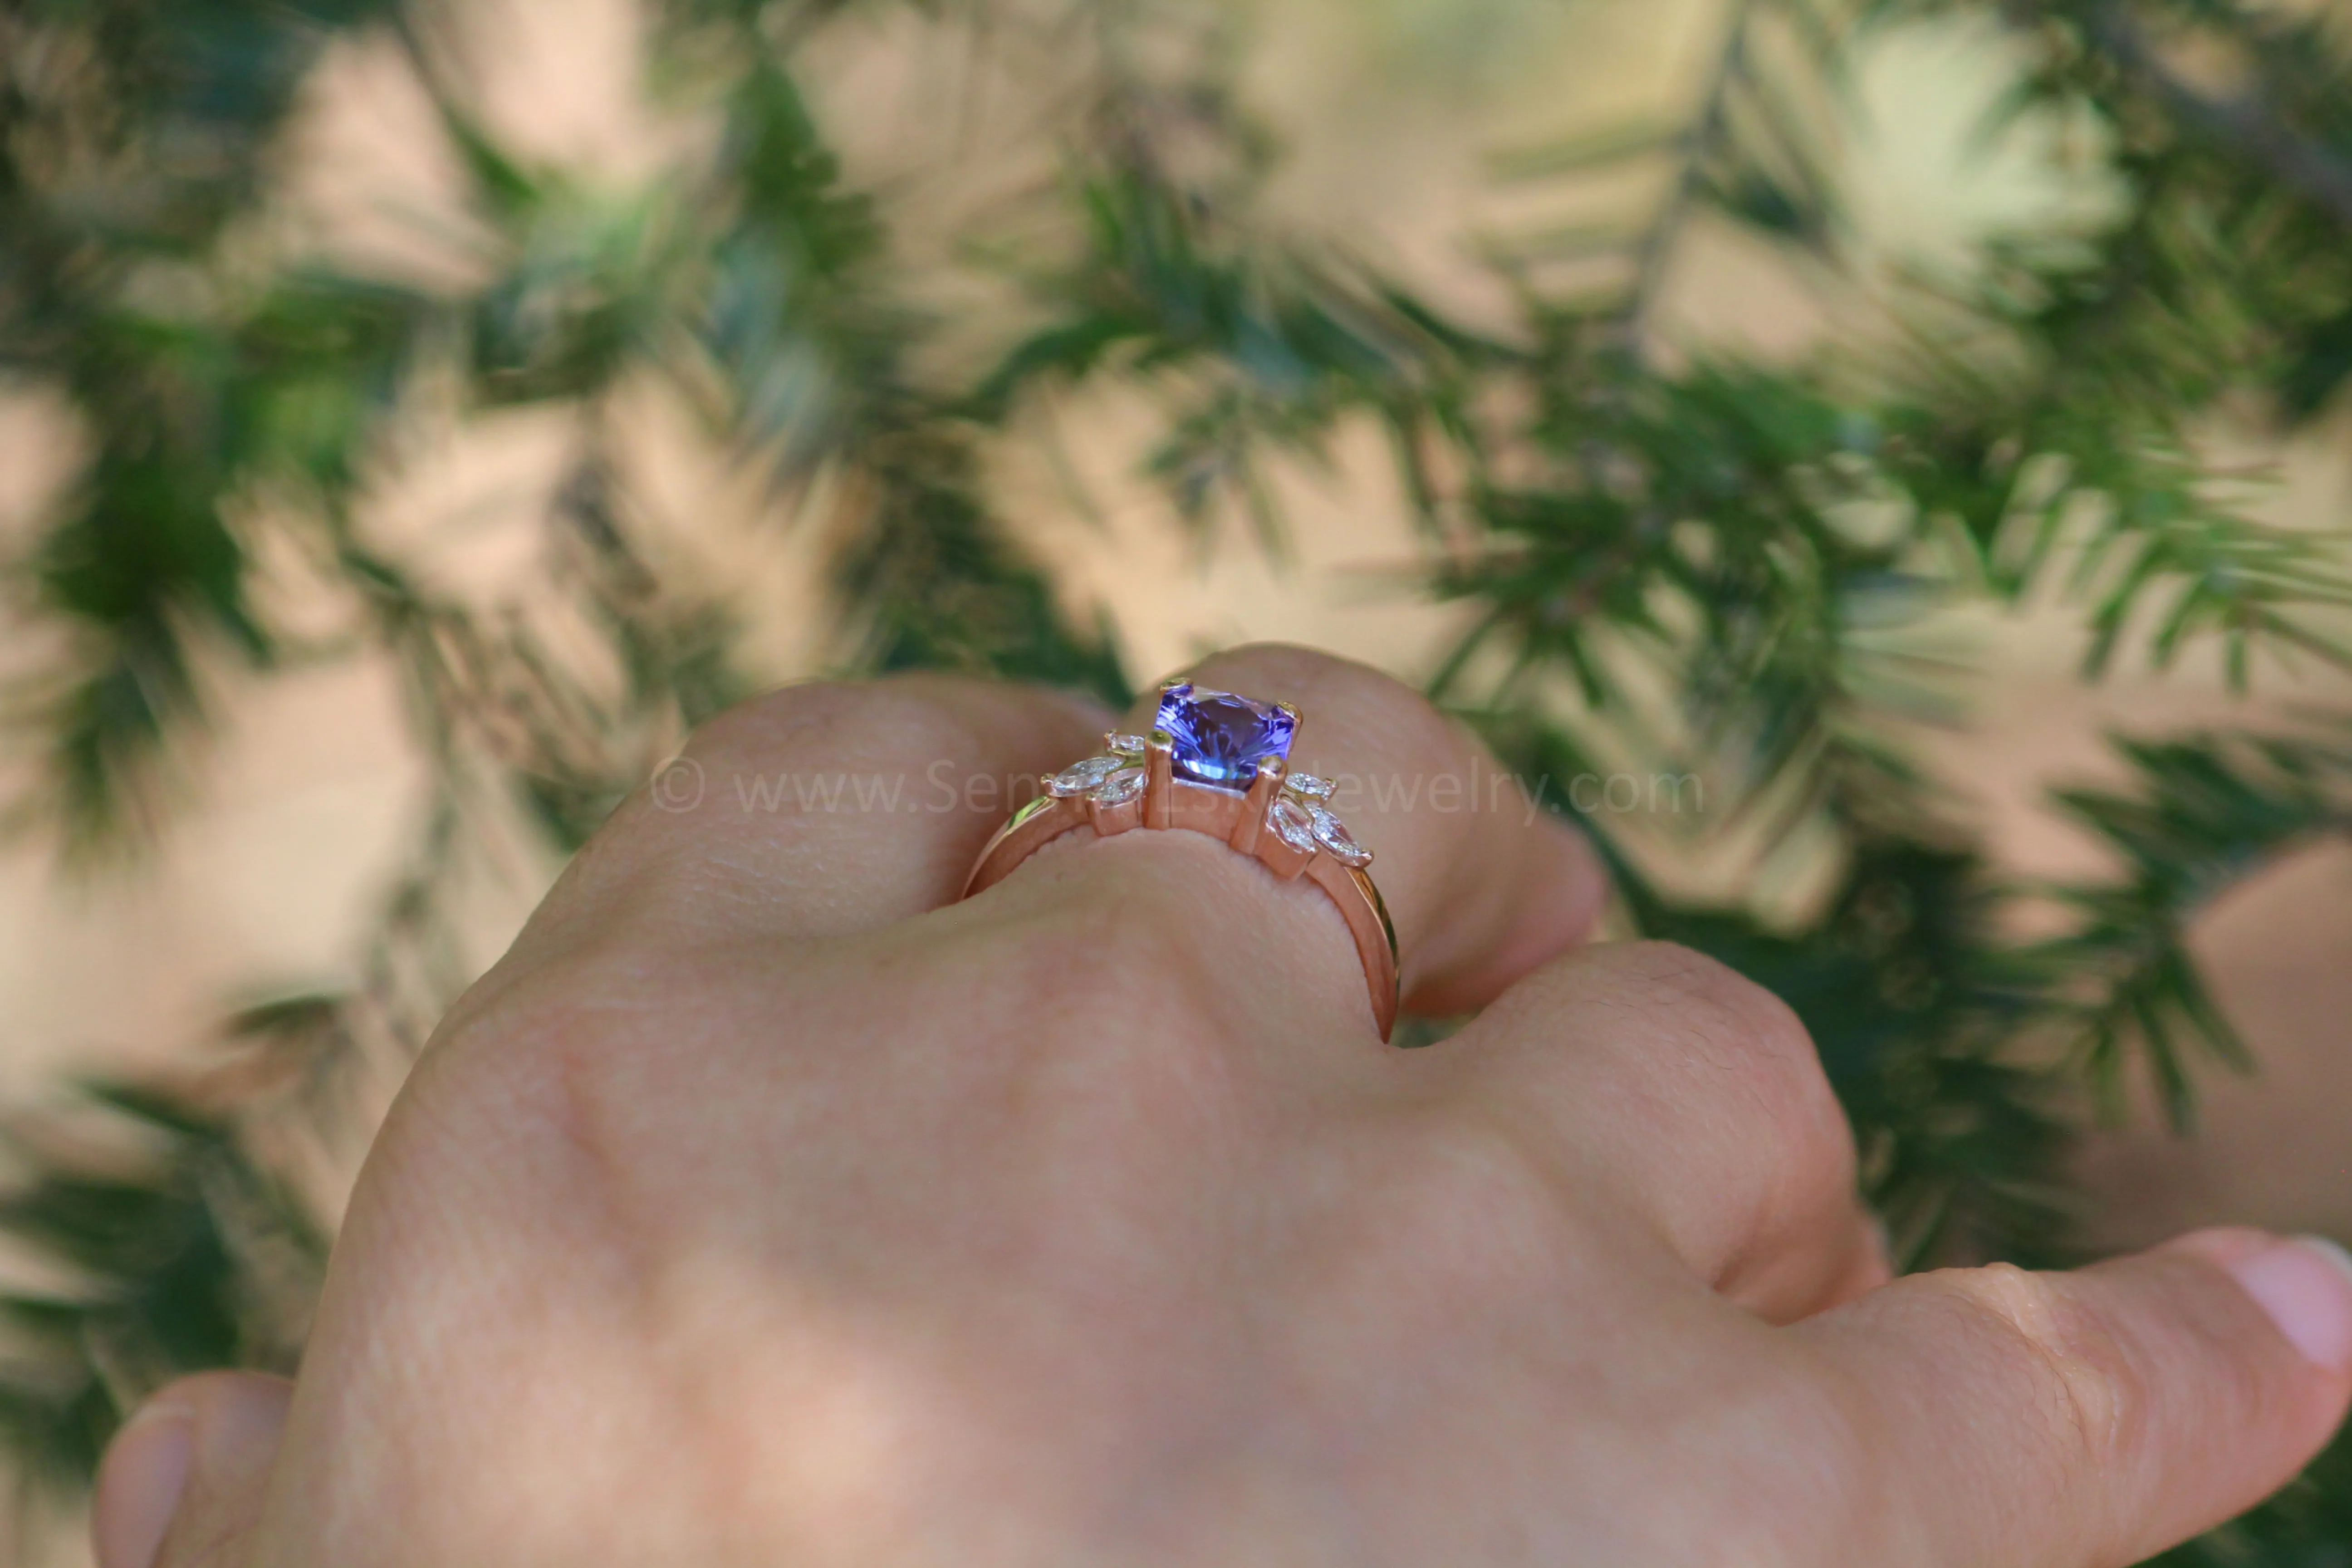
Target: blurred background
1912 431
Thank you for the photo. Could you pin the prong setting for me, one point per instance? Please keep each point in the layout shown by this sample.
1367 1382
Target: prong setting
1159 779
1111 817
1263 791
1286 846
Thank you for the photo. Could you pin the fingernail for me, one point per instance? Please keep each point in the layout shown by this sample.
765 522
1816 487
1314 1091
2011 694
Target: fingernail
2306 1286
139 1486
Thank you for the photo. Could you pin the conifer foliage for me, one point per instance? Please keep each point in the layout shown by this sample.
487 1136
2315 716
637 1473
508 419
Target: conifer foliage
1617 520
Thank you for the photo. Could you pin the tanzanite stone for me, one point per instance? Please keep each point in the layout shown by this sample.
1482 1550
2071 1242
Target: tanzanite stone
1221 738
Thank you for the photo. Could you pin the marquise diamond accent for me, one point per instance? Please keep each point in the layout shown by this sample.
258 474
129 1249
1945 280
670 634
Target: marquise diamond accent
1120 787
1291 824
1333 836
1080 777
1309 785
1124 746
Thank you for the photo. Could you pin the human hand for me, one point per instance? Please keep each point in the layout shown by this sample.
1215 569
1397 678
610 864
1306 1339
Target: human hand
763 1206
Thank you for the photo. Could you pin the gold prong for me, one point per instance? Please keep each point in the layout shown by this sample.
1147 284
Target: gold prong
1111 820
1278 856
1159 779
1262 791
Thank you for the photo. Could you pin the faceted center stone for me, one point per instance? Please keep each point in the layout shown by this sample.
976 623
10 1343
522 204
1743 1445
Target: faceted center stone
1221 738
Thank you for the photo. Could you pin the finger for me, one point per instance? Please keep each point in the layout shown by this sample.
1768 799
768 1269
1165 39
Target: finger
2095 1418
183 1483
1482 885
1665 1086
820 810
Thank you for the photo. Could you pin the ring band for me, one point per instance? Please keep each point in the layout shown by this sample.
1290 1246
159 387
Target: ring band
1216 763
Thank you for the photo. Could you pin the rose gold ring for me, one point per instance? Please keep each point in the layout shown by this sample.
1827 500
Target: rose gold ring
1216 763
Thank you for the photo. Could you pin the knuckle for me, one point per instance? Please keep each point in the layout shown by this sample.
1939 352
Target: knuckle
1738 1032
534 1075
533 1043
1708 1028
2086 1391
1717 1007
1685 1047
796 762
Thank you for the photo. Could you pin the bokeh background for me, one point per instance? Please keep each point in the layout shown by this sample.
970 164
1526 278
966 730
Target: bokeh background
413 418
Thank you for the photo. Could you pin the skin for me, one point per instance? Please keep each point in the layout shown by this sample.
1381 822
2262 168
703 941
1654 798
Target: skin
764 1205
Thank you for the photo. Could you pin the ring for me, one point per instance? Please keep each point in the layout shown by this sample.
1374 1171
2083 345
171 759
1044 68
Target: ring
1216 763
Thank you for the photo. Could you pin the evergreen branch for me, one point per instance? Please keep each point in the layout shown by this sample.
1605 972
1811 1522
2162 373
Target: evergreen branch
180 1255
2244 124
1690 179
1255 347
2203 813
1742 545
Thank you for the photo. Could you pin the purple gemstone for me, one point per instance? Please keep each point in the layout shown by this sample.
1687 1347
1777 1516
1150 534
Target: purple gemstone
1221 737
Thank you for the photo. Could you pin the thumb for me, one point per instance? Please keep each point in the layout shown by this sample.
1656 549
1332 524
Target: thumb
183 1483
2100 1416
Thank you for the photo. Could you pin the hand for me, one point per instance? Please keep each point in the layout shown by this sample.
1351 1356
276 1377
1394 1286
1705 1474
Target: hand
764 1206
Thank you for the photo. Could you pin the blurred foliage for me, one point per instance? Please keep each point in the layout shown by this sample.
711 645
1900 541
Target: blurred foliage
1679 563
195 1255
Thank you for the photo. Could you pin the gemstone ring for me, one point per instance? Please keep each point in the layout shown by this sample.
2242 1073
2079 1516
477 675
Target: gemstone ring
1216 763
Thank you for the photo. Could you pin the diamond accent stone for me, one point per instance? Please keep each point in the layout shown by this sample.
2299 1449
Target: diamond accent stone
1124 746
1307 784
1080 777
1291 824
1333 836
1219 737
1120 787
